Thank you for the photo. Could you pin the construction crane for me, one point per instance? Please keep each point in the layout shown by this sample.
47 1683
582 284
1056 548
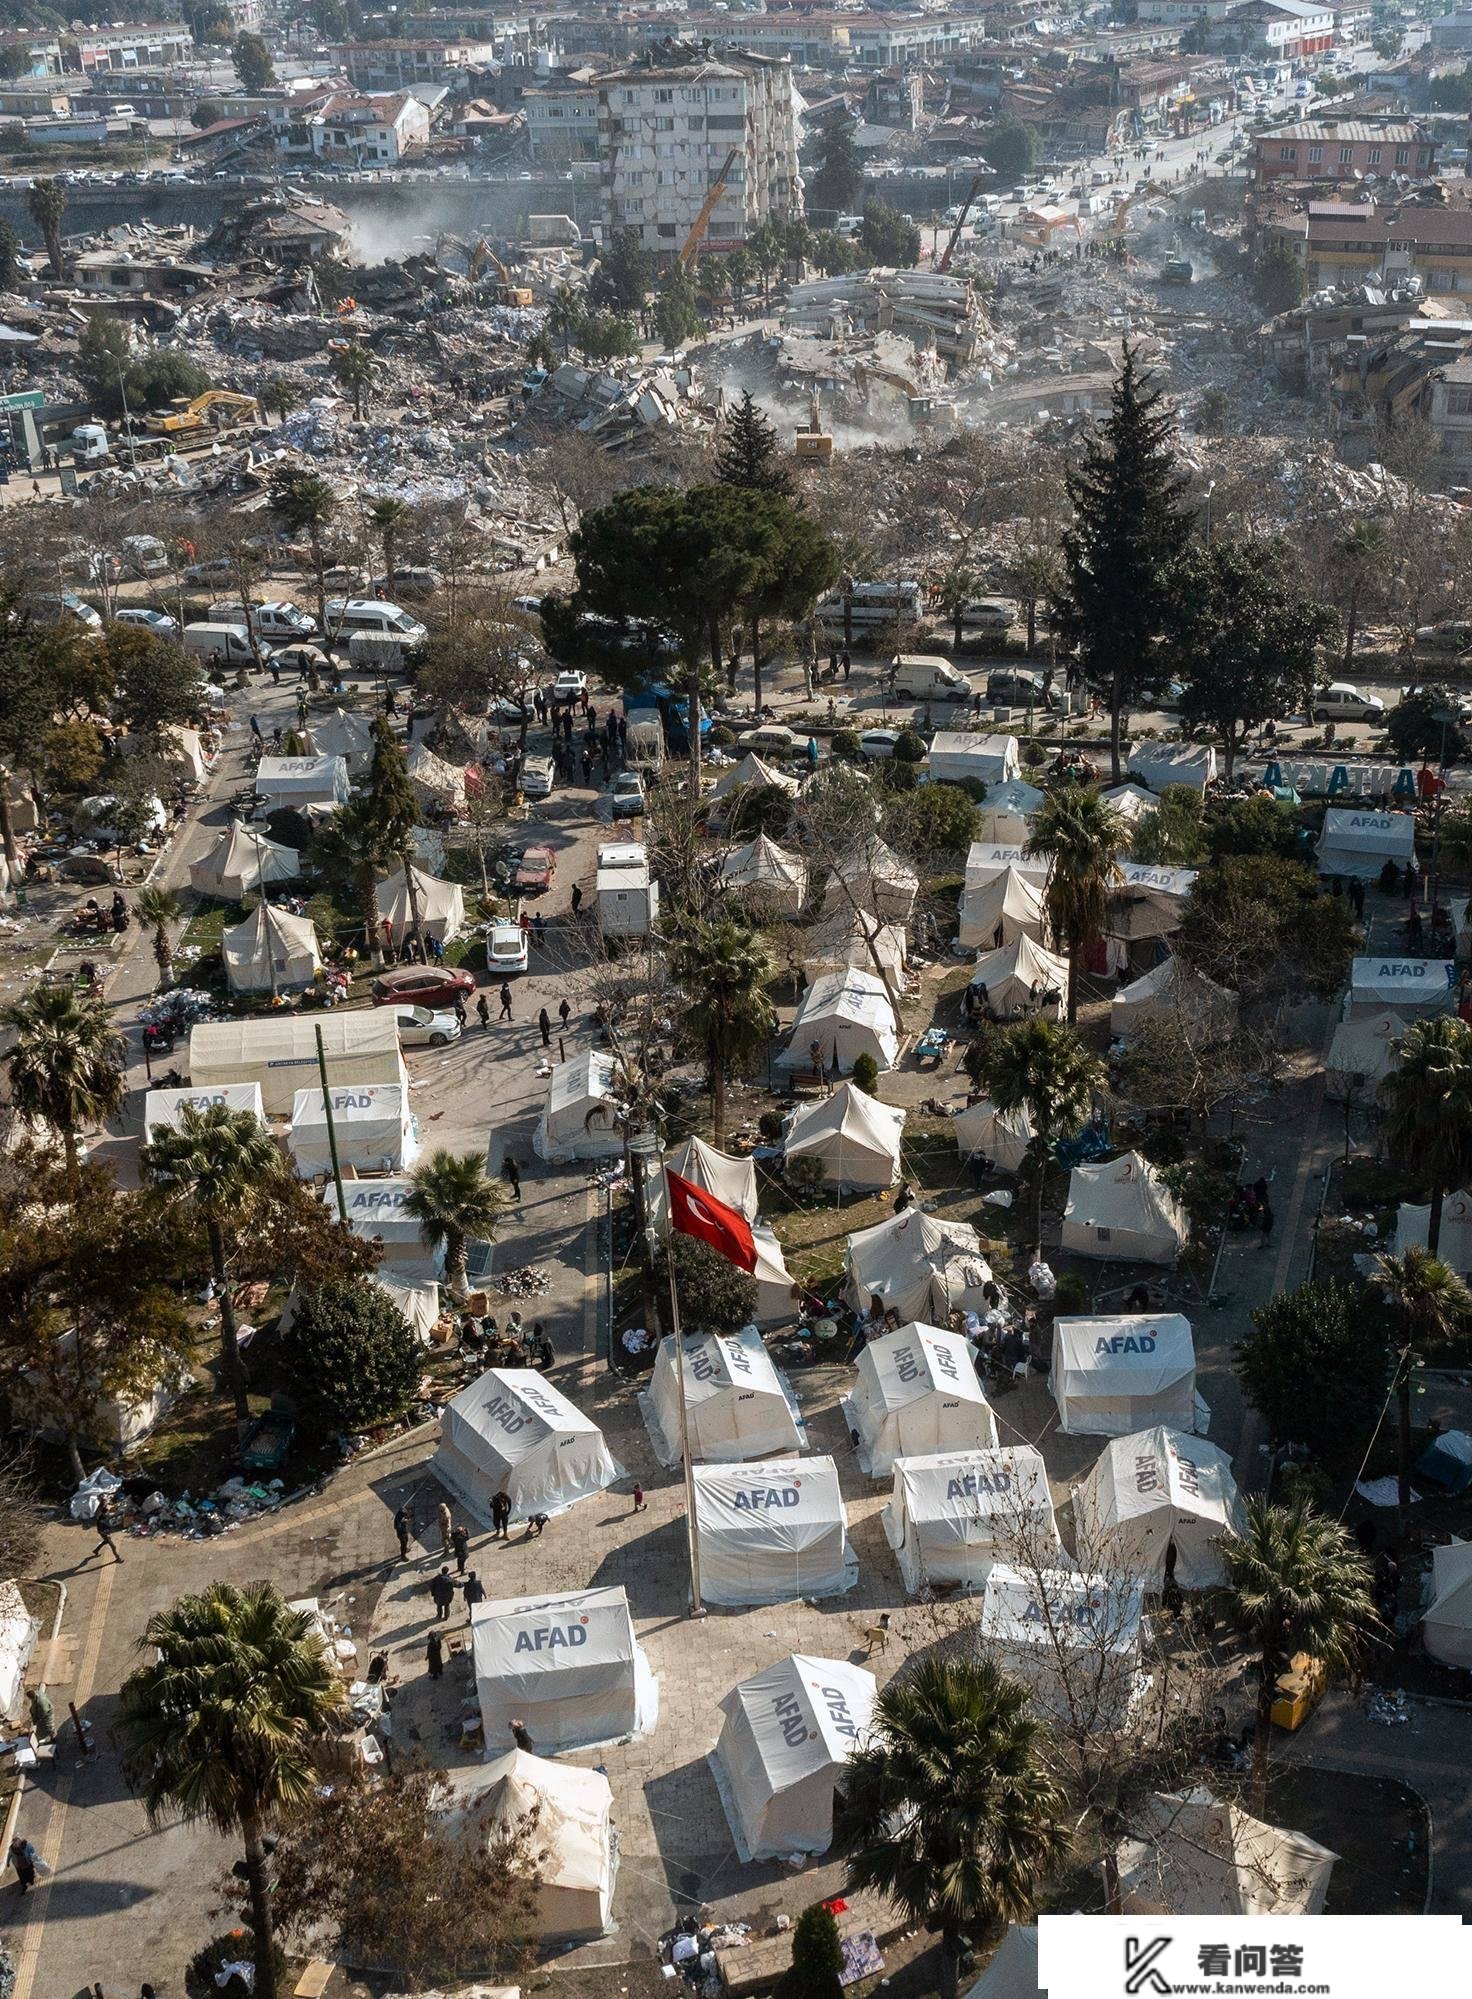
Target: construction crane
214 407
702 221
944 263
506 292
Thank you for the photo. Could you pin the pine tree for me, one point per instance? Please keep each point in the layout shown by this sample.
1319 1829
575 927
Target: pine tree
839 179
749 452
1129 526
817 1958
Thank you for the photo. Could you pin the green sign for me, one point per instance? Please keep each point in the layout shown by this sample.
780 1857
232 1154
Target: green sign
24 399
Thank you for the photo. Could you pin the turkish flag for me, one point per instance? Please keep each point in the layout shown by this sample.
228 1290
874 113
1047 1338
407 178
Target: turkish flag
694 1212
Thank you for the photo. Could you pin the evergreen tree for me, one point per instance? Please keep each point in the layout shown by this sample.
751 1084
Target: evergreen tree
1129 526
749 453
677 309
817 1958
9 252
888 238
624 276
838 180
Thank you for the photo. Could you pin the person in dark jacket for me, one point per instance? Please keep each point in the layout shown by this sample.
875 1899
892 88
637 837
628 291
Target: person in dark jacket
442 1589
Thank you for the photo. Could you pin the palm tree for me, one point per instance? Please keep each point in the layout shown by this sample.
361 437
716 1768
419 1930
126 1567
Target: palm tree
1296 1582
162 908
957 588
453 1199
1431 1302
951 1815
47 203
1361 553
280 396
211 1164
1045 1070
354 368
354 847
1428 1104
388 515
1036 578
65 1063
1080 835
564 316
723 971
217 1726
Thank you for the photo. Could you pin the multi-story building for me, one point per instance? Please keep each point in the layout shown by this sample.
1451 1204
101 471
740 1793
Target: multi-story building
562 122
32 55
1343 149
399 65
1276 30
144 45
818 40
1181 13
1342 242
377 131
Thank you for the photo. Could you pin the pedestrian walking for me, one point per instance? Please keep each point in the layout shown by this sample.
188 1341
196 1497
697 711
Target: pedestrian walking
475 1592
446 1522
483 1009
255 729
539 929
461 1015
505 1013
442 1589
511 1174
640 1505
587 768
501 1514
23 1861
460 1542
1265 1221
848 666
103 1522
434 1650
403 1527
577 898
564 1014
544 1021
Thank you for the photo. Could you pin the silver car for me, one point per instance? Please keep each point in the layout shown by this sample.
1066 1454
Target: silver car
419 1027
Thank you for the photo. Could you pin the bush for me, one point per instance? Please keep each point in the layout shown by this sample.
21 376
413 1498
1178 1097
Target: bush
910 747
769 1127
845 745
715 1297
866 1075
350 1357
1032 754
1316 1366
289 828
720 736
817 1958
1072 1294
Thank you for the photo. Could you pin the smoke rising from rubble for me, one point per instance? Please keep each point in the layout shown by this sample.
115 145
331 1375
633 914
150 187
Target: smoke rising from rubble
395 235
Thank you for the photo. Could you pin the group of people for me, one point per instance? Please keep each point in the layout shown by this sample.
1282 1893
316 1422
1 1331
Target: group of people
516 1347
1250 1208
93 918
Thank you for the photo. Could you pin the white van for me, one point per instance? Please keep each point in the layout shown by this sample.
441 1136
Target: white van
144 555
227 643
928 677
273 621
346 615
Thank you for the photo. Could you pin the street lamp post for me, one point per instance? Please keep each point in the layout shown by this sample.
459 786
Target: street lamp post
1446 717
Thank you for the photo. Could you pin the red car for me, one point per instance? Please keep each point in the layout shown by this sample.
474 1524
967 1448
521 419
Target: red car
434 986
535 869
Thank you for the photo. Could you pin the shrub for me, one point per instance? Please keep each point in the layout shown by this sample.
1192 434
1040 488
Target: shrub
769 1127
715 1296
720 736
909 747
844 744
866 1075
817 1958
234 1947
350 1357
1072 1294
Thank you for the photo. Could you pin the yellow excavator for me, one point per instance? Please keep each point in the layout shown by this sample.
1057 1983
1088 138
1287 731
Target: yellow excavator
702 221
483 257
213 409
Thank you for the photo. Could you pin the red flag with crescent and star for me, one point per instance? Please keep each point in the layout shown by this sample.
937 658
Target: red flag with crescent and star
725 1229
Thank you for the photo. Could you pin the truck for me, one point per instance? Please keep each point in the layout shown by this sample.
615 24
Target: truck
90 444
144 555
228 644
625 895
645 745
1176 271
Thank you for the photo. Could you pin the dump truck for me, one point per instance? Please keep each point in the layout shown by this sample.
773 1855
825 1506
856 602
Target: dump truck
1176 271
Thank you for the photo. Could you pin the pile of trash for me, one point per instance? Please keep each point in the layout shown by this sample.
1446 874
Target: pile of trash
146 1512
177 1011
528 1282
1387 1707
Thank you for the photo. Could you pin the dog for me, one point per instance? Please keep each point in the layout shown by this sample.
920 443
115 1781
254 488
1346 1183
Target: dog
878 1634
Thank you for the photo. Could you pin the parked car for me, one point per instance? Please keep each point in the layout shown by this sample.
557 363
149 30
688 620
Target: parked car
423 986
414 585
531 605
218 569
157 622
878 742
536 777
304 659
534 870
421 1027
569 684
1451 636
627 796
506 948
59 607
1341 702
772 738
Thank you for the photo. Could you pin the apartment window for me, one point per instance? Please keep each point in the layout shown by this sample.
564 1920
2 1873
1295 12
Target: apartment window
1373 156
664 124
1315 155
1346 156
1287 152
664 97
665 228
1402 156
1459 402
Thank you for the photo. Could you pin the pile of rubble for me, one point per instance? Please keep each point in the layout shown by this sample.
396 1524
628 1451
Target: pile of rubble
930 308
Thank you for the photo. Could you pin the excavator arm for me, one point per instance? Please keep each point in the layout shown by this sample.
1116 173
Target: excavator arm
946 255
702 221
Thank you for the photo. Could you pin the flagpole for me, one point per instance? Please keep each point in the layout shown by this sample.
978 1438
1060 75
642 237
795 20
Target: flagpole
642 1147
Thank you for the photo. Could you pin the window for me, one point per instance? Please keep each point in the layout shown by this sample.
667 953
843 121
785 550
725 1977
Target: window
664 124
1459 402
665 228
1287 152
1402 156
1373 156
1315 155
664 97
1346 156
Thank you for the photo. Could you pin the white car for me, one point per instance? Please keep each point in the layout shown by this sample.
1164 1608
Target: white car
536 777
1341 702
157 622
626 798
506 948
774 737
569 684
878 742
531 605
421 1028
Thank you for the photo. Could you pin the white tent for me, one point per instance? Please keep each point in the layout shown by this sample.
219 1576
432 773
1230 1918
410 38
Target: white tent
1002 1137
1153 1490
376 1212
18 1634
772 1532
435 780
787 1734
737 1404
1197 1857
1130 801
1161 764
1003 909
752 769
344 734
1408 985
1360 843
1009 809
921 1268
954 1513
1454 1244
1043 1625
296 782
163 1109
242 859
1363 1052
567 1667
178 745
580 1118
1446 1627
512 1430
441 905
1147 902
573 1837
1121 1210
845 939
914 1391
1112 1377
848 1014
876 879
854 1137
372 1123
734 1182
418 1298
1013 1971
1174 991
1021 978
767 873
960 753
271 951
986 859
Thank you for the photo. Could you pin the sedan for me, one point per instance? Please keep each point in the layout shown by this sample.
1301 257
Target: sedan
157 622
536 777
569 684
304 659
506 948
534 870
422 985
420 1027
772 737
627 795
878 742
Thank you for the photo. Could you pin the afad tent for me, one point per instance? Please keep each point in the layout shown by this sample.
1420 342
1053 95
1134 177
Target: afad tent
917 1267
1013 1972
418 1298
1044 1626
18 1634
1131 801
580 1119
914 1391
512 1431
1446 1628
1000 1137
1020 978
1003 909
1197 1857
952 1514
737 1404
986 859
377 1213
734 1182
1153 1490
566 1667
853 1137
1409 985
297 783
1113 1377
752 770
573 1835
876 879
1360 843
1364 1052
271 952
1122 1211
772 1532
848 937
1175 991
787 1735
371 1122
441 905
768 874
240 861
1161 764
1147 902
163 1110
1008 811
956 754
436 781
848 1014
344 734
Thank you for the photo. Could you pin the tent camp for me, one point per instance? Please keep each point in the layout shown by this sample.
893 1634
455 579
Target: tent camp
1003 909
1043 1625
1114 1377
752 770
914 1391
1152 1490
573 1835
848 1014
1359 843
1131 801
922 1269
242 859
1197 1857
566 1667
1174 992
845 938
341 733
734 1182
512 1430
787 1734
580 1119
1000 1137
876 879
376 1213
1415 986
953 1513
986 859
184 748
436 781
371 1122
294 783
768 874
772 1532
18 1634
1123 1211
279 1052
441 905
1020 978
271 952
1446 1625
1454 1244
1013 1972
956 754
1363 1053
738 1405
418 1298
163 1109
1147 902
1160 764
854 1138
1008 811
